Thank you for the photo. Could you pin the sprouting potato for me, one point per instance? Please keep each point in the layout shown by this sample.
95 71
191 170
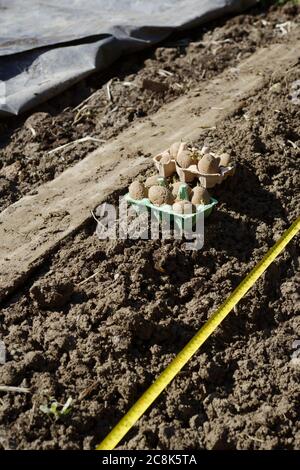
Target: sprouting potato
209 164
152 181
137 190
185 159
205 149
160 195
200 196
165 158
225 159
176 186
176 148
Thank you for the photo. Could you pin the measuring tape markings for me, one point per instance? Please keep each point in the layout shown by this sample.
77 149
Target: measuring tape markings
150 395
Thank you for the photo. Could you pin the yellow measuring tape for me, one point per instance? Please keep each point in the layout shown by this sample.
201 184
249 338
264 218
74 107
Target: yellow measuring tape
150 395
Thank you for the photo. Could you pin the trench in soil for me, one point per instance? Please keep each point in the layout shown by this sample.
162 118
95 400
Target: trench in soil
103 342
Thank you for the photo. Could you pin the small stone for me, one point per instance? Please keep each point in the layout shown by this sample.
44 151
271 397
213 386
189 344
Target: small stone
276 88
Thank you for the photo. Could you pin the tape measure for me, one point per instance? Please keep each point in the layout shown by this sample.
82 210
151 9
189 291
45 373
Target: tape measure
150 395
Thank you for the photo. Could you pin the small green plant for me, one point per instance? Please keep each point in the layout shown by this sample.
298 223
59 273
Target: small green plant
57 410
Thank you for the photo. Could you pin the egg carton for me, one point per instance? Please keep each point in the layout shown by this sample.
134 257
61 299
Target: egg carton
186 220
207 180
188 175
164 169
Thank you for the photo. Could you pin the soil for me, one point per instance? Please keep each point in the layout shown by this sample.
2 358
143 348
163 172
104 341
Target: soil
183 63
101 319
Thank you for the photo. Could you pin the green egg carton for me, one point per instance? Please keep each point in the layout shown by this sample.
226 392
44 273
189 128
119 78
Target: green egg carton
186 220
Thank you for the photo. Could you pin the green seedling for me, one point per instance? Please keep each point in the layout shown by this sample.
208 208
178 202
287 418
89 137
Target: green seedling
57 410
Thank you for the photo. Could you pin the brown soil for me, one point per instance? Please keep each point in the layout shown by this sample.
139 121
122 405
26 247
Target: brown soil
191 58
103 342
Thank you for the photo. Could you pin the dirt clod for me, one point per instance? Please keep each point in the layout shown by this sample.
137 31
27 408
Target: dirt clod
51 293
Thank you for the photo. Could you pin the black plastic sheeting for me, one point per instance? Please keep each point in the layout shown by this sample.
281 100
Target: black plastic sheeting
46 46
